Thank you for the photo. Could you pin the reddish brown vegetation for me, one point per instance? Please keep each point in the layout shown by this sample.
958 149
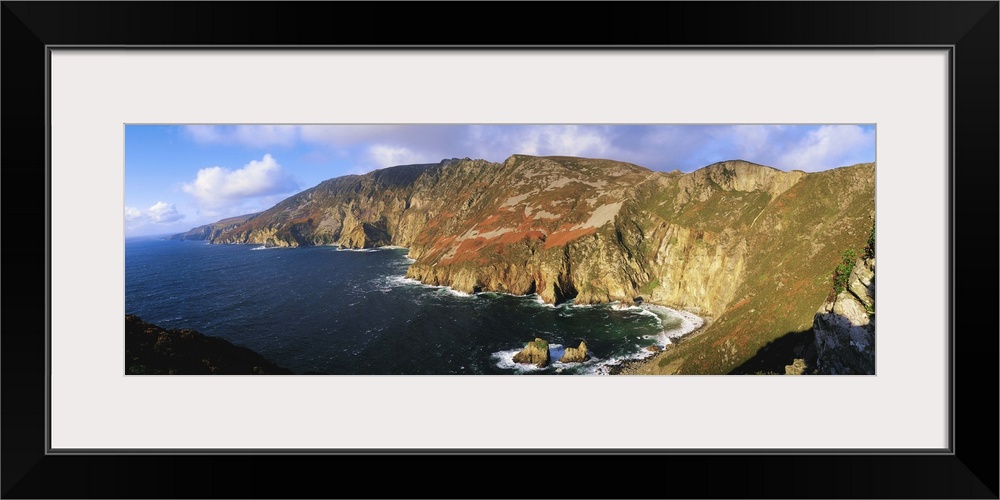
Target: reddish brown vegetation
560 238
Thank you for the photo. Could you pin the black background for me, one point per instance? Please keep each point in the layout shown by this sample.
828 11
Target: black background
971 472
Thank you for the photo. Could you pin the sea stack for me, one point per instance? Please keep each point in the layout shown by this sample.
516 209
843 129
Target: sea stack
535 353
575 354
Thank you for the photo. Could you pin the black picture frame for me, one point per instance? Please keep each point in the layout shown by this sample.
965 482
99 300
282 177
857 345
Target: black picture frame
970 28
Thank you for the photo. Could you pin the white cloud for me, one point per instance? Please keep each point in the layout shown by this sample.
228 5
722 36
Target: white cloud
368 147
387 156
830 146
573 140
255 136
266 135
205 134
383 146
784 146
751 141
498 142
132 214
163 213
347 135
215 186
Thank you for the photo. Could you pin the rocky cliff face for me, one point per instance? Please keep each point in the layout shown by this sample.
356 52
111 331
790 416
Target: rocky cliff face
539 225
355 211
212 231
779 251
601 231
745 245
845 326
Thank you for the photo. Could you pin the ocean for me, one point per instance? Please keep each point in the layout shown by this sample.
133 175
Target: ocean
353 312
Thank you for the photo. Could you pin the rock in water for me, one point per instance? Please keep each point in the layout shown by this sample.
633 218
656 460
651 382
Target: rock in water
575 355
535 353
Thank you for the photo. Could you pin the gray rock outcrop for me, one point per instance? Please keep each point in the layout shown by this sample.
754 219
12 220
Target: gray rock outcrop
845 327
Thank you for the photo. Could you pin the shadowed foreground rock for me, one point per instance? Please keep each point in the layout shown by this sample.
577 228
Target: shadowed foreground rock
151 350
845 326
535 353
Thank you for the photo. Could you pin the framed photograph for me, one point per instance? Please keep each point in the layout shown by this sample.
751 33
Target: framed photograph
555 260
701 204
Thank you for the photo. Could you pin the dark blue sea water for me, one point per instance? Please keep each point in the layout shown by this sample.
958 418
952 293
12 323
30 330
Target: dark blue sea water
322 309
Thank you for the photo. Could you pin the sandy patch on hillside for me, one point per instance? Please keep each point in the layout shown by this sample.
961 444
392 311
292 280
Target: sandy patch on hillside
601 216
542 214
514 200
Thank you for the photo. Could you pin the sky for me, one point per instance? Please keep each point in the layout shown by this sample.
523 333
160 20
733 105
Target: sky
181 176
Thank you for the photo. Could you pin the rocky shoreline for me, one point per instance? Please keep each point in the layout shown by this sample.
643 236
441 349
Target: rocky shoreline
643 366
537 352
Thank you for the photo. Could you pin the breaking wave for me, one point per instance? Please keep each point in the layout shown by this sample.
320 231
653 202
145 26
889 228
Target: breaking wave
397 281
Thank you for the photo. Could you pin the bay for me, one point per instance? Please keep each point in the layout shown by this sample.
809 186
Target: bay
343 312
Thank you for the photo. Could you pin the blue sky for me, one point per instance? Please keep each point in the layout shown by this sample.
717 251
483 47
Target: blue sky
178 177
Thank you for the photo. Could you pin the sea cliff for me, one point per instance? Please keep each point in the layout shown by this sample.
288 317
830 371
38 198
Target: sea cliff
746 246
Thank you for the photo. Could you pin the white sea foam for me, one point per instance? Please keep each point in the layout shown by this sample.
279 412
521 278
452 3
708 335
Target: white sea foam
397 281
603 367
540 301
646 312
533 297
451 291
373 249
505 360
593 365
689 323
673 323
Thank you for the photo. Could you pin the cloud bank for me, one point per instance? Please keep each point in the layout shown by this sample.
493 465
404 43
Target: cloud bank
254 136
659 147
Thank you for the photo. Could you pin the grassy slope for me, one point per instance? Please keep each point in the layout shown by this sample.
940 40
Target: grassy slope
795 244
